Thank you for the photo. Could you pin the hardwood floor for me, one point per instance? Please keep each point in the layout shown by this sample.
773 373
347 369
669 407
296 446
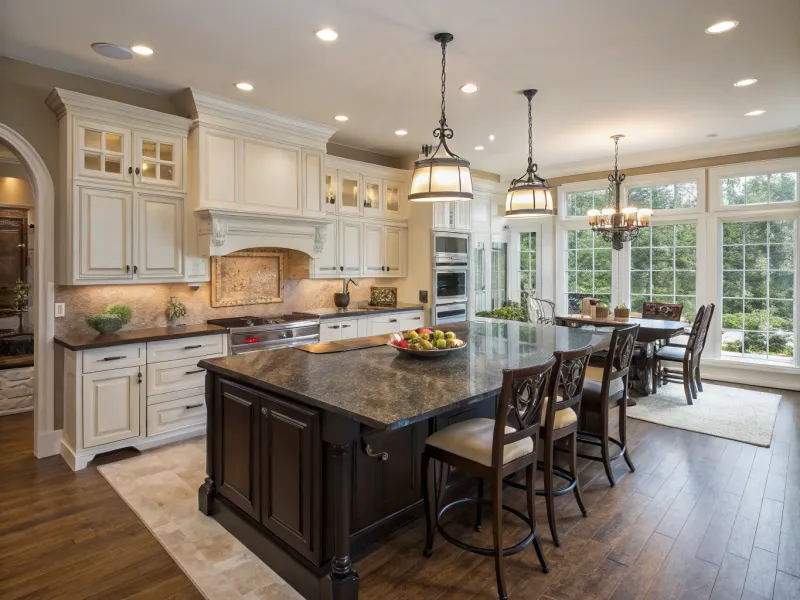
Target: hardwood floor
701 518
68 536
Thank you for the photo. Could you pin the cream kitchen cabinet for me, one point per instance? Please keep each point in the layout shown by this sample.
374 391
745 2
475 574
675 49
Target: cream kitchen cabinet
159 253
327 265
395 203
395 250
331 191
158 160
373 197
350 193
374 241
452 216
372 191
271 177
361 248
111 404
333 330
386 323
351 248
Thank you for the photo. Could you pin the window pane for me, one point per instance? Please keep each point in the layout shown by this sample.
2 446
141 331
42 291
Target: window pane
663 258
732 233
165 151
686 235
755 256
640 282
663 197
663 236
732 342
113 142
640 259
92 139
732 284
639 197
149 149
733 191
755 284
686 195
732 257
686 258
92 162
783 187
732 313
756 189
588 268
113 164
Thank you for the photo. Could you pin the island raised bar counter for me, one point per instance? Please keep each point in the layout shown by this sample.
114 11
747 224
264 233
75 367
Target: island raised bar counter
313 457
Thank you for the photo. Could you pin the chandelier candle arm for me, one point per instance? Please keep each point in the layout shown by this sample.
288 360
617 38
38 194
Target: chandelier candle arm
444 177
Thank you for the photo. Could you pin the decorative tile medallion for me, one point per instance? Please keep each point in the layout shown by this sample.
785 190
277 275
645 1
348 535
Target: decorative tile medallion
253 276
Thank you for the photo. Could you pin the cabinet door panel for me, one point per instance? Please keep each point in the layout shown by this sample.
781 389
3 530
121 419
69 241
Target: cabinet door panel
237 430
331 190
105 231
218 169
102 151
462 216
374 263
327 265
290 475
350 248
110 406
394 199
160 253
159 160
395 253
313 184
350 193
330 332
373 197
271 175
350 329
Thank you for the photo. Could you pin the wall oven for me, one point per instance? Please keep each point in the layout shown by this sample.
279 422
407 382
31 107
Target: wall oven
450 313
450 285
450 249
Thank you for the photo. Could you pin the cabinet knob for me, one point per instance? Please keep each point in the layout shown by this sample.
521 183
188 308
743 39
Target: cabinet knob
130 170
138 170
135 269
341 268
264 410
127 268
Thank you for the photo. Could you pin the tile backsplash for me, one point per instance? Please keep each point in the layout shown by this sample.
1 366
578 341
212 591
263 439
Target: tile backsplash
149 301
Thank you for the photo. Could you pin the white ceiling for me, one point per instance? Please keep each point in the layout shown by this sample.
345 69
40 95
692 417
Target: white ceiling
640 67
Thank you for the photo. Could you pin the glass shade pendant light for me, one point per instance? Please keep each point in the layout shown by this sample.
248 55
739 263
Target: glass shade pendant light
441 176
529 195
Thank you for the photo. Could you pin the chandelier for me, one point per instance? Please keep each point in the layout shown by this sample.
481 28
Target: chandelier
442 176
618 225
529 195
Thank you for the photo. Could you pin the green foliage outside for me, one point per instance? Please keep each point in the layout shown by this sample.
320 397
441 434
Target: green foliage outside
512 311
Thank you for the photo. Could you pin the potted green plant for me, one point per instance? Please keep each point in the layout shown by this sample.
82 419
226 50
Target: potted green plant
175 312
113 319
601 311
622 312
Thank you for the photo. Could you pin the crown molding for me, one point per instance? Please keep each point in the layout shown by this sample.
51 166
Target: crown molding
63 102
487 186
370 169
771 141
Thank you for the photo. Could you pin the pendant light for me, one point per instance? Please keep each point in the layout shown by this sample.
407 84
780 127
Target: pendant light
442 176
529 196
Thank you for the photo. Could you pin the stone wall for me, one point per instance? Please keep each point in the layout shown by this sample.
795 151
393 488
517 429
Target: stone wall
16 389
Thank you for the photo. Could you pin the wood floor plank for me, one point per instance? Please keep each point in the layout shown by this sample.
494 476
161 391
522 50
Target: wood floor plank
742 536
712 548
699 581
787 587
730 579
643 571
768 533
761 572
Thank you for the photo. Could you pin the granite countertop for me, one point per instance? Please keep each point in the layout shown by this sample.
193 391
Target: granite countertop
383 389
359 311
88 341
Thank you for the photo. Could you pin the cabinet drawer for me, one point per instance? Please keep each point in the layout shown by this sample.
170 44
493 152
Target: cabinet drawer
176 414
175 375
115 357
178 395
184 348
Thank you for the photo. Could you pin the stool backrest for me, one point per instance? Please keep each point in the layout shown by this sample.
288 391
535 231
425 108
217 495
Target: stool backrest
520 405
662 310
618 358
702 334
697 326
566 381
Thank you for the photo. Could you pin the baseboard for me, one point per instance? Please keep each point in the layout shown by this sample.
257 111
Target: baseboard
15 411
781 381
47 444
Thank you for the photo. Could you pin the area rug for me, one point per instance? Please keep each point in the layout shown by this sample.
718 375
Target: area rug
726 412
161 486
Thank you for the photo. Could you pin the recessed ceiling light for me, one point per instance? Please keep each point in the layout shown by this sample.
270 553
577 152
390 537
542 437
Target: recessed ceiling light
401 132
469 88
754 113
744 82
722 26
112 51
478 147
711 135
326 34
142 50
341 118
244 86
491 138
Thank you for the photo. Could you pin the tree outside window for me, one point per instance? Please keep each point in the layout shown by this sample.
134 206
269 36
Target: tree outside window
664 197
759 189
579 203
588 269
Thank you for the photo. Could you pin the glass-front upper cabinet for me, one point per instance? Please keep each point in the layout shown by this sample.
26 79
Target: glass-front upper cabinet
373 197
331 182
394 199
159 161
349 193
103 152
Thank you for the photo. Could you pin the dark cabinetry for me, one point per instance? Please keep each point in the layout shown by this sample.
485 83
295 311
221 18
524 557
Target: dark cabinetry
237 461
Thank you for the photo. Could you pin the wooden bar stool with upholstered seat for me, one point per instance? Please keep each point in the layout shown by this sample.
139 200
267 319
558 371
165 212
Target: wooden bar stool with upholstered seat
491 449
603 390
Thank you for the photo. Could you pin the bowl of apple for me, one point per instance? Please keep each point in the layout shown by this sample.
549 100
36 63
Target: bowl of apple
426 343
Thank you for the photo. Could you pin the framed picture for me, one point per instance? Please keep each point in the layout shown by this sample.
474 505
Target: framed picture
252 276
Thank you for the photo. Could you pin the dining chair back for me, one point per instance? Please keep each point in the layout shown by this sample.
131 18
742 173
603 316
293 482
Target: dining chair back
662 310
688 356
541 311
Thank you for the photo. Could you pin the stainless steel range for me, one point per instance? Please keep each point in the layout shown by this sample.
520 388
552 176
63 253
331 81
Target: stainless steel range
248 334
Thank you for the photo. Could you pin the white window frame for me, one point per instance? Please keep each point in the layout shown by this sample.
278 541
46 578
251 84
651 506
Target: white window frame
763 167
512 258
582 186
669 178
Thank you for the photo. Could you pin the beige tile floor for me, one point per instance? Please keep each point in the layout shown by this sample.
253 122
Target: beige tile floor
160 486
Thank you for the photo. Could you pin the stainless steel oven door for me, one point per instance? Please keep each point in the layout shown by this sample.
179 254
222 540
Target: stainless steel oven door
450 285
451 248
450 313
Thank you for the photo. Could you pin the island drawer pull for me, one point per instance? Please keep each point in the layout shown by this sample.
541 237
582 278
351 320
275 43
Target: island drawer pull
416 319
333 327
195 347
371 453
392 320
191 406
343 326
108 358
195 371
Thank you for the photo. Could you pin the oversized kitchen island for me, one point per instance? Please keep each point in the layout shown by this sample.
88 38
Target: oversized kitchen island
312 458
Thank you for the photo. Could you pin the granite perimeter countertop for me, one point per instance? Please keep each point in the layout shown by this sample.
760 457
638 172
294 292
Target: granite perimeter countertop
358 311
89 341
383 389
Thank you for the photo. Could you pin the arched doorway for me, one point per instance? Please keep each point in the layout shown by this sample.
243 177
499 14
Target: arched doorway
47 440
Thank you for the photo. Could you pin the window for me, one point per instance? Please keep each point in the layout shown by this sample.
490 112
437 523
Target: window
588 268
759 189
664 267
758 265
664 197
498 274
527 265
579 203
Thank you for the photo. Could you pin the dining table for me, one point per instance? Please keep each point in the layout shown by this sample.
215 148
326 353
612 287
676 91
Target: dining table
651 332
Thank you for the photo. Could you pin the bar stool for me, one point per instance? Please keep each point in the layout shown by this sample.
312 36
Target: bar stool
603 390
491 449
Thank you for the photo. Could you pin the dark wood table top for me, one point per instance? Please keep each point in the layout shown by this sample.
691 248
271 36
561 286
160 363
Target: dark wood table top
650 330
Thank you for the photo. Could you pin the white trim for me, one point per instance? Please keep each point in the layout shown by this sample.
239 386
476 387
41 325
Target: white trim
763 167
15 411
43 290
371 170
580 186
748 373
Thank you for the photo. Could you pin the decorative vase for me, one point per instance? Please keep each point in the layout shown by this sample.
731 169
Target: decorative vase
341 300
601 312
622 313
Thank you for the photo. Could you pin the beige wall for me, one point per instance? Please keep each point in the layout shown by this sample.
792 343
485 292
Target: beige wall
14 191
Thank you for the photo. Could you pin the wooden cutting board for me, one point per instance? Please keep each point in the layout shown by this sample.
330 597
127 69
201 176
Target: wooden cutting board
345 345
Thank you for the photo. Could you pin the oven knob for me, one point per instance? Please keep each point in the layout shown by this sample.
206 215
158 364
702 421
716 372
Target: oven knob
284 335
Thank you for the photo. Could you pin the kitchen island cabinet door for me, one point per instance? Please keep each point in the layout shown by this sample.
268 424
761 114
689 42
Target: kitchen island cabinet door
291 473
236 432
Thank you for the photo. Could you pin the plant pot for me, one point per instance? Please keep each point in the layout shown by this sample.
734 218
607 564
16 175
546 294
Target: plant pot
622 313
601 312
341 300
104 323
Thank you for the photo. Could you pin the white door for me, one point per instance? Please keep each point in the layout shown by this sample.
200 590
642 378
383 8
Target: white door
271 178
350 248
331 190
480 253
160 250
395 204
350 193
330 331
327 265
374 263
158 161
313 183
373 197
395 249
102 152
462 215
111 406
105 234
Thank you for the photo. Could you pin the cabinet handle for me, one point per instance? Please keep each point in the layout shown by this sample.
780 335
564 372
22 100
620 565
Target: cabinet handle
195 371
343 326
127 268
135 269
137 170
341 268
195 347
264 411
417 319
371 453
140 378
333 327
130 170
392 320
108 358
191 406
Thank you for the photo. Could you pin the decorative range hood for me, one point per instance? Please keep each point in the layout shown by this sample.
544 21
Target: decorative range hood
224 230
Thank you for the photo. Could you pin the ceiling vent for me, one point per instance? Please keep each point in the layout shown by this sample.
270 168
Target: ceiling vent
112 51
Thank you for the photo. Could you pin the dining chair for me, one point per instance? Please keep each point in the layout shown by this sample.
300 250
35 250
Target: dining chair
662 310
604 389
688 356
492 449
560 421
541 311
